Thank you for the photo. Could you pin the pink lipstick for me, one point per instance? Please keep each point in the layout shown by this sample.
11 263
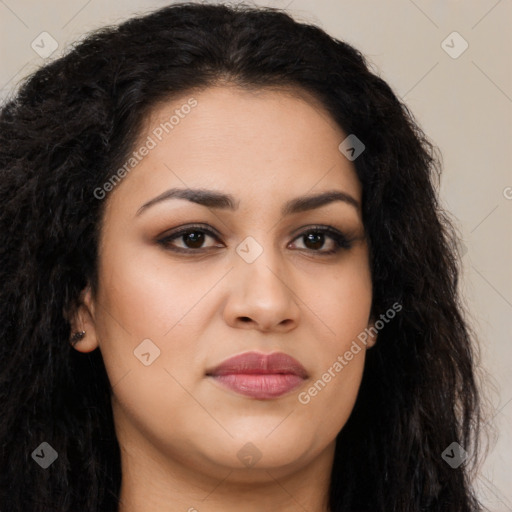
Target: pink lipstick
260 376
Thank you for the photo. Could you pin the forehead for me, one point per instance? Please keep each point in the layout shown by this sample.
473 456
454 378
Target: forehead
262 145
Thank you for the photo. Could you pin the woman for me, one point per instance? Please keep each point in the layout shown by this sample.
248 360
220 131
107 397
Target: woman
227 280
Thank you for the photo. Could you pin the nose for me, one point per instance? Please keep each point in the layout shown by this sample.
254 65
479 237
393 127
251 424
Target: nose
262 296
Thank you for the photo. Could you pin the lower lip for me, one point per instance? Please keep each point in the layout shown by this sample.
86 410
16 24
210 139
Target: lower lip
261 386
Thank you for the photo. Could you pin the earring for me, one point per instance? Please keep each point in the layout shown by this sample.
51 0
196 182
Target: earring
77 336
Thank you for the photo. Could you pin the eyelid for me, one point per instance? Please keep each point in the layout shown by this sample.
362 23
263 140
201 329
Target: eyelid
177 232
342 240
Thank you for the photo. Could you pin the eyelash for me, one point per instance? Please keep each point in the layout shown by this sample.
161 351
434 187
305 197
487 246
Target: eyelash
341 241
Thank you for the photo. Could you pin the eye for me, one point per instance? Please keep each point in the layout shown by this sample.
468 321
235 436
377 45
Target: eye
314 239
191 237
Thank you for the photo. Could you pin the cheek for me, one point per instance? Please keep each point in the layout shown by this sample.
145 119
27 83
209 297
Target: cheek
142 308
148 333
329 400
329 397
341 299
342 303
148 293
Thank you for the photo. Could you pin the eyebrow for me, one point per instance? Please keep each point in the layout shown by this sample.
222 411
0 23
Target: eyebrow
219 200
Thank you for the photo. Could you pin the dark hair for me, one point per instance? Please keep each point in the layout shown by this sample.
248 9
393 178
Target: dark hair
73 123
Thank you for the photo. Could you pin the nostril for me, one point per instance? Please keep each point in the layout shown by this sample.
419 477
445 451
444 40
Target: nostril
245 319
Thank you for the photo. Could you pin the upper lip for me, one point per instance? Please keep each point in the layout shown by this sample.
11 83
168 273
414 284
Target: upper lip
258 363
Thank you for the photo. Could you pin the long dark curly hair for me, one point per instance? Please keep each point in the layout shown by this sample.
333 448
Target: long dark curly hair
64 133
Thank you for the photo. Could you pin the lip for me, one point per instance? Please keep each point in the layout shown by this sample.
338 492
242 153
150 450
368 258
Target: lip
261 376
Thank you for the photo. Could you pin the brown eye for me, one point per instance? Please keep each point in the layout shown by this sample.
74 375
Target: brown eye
194 239
188 239
314 240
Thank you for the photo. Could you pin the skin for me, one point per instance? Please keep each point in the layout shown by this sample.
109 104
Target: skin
179 431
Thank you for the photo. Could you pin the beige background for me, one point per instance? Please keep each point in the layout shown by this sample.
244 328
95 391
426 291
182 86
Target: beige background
464 104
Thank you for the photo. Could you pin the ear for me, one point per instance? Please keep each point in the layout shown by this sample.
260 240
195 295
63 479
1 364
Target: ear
372 334
82 319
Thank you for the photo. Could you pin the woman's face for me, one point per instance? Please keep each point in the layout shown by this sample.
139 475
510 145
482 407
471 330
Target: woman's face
251 275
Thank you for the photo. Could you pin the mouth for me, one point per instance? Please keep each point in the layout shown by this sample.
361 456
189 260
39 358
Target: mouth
259 376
